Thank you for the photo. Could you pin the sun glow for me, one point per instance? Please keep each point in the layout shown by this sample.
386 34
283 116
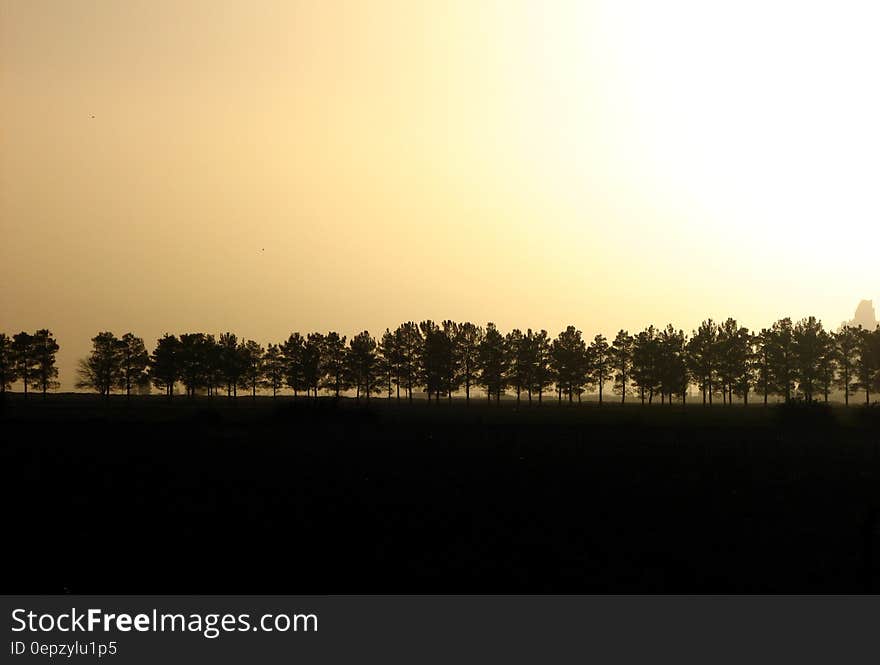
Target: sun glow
765 114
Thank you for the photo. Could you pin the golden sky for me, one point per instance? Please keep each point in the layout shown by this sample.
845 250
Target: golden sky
263 167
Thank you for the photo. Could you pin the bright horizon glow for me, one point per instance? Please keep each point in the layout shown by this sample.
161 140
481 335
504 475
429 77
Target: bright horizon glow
602 164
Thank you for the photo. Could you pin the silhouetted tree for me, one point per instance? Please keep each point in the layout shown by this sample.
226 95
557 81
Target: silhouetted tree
292 351
602 362
568 359
621 357
389 362
727 363
213 373
808 349
783 367
7 369
492 362
519 361
847 348
363 363
868 362
734 360
334 362
100 371
542 373
645 364
437 359
409 339
703 357
274 369
745 355
827 363
672 364
44 349
165 364
231 366
251 354
23 360
193 359
467 355
133 360
451 368
312 362
763 370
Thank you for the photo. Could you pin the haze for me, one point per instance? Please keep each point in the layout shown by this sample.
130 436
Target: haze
265 167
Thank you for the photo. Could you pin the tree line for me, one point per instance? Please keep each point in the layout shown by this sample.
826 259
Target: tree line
29 358
726 362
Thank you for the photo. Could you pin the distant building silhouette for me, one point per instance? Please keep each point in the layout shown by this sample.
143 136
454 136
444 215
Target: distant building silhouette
865 315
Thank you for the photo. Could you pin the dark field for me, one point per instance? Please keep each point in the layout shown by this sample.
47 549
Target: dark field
263 496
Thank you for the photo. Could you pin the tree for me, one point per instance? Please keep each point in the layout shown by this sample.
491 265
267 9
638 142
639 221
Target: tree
133 360
231 367
7 370
292 355
601 362
437 362
621 357
734 360
645 364
519 361
672 370
808 349
363 364
389 362
827 363
846 347
100 371
44 349
451 369
703 357
568 358
23 358
467 355
274 369
868 362
165 366
542 374
731 357
251 354
334 361
409 340
781 351
193 361
214 378
492 362
312 362
744 352
763 371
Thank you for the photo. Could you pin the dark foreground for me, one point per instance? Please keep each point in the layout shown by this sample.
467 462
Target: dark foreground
270 497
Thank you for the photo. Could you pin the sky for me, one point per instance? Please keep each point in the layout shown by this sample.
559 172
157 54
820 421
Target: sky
264 167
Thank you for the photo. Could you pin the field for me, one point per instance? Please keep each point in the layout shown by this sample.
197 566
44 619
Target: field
281 496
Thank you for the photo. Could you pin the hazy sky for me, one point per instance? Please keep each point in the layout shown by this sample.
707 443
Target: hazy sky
264 167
